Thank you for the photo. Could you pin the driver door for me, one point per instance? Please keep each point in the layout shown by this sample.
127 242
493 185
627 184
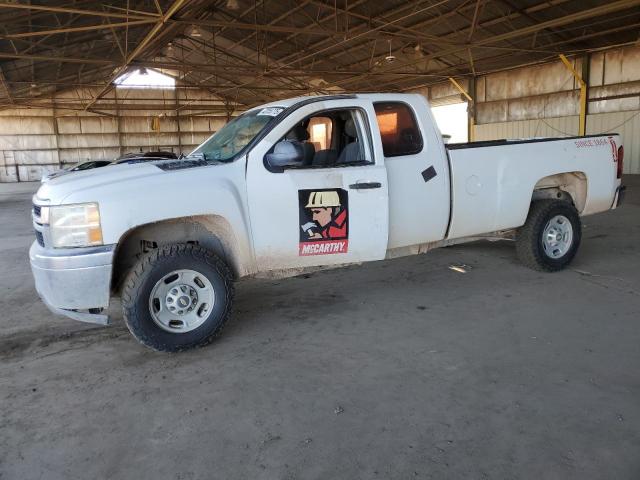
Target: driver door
319 214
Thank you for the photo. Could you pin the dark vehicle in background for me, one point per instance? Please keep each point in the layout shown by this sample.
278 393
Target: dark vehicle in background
76 168
144 157
127 158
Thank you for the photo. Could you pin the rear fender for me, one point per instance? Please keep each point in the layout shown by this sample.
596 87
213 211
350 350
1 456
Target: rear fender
569 186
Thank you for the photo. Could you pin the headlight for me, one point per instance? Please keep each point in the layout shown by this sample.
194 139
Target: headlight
75 225
43 219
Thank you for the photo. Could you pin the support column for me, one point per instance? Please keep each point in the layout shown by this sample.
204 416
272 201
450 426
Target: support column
118 120
471 110
178 119
585 73
582 127
56 133
471 107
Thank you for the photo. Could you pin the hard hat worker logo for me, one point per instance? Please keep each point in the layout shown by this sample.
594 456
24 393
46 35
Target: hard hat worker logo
327 211
324 219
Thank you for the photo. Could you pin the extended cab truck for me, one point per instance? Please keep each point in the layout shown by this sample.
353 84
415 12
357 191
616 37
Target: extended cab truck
303 183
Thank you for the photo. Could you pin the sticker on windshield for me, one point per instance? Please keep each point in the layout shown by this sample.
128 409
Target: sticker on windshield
270 111
324 221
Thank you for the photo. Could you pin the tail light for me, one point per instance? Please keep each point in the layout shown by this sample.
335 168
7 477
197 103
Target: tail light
620 161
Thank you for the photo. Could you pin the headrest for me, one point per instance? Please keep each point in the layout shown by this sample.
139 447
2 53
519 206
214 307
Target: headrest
350 128
298 133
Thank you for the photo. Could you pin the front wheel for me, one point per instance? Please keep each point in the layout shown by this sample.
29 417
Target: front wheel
177 297
550 237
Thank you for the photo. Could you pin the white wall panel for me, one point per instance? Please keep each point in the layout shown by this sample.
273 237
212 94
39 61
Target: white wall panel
35 157
98 125
27 142
77 155
32 173
26 125
146 141
542 127
88 141
69 125
34 141
26 112
193 138
627 124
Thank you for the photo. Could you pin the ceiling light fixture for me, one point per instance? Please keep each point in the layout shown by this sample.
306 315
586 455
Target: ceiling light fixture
391 57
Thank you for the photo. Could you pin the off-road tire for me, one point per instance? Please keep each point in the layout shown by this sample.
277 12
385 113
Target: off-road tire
150 268
529 239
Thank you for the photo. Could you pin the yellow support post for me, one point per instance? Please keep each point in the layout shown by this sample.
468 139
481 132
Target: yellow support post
583 95
472 126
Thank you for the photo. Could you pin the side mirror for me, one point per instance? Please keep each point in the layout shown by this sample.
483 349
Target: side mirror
285 154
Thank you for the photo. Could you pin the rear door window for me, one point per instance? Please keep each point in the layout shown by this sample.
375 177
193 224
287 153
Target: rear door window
398 129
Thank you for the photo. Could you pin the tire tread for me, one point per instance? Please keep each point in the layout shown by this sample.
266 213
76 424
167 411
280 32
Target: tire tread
135 279
527 247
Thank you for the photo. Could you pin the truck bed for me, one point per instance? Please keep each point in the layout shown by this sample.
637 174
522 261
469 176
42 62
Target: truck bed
492 182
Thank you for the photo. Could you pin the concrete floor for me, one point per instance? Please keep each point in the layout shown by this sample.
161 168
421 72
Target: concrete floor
396 369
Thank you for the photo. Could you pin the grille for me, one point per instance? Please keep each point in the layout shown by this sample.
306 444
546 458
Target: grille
39 238
37 210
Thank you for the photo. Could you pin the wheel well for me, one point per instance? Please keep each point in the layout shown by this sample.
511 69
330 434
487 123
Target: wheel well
569 186
210 232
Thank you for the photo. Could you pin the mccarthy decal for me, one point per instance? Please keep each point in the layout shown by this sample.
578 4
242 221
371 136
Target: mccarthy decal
324 221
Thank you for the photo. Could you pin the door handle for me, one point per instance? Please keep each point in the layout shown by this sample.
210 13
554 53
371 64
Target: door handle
365 185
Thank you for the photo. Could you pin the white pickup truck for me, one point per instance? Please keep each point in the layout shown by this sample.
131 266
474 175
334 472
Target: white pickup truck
303 183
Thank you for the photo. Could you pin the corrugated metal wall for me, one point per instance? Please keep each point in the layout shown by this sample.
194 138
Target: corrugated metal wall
34 141
627 124
547 127
543 100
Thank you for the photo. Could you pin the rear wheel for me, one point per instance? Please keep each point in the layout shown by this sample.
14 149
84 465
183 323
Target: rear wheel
550 237
177 297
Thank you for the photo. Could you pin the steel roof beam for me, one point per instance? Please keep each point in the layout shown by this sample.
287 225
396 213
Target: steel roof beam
575 17
86 28
79 11
172 10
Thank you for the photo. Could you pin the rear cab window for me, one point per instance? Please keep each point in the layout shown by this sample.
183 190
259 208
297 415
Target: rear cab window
399 129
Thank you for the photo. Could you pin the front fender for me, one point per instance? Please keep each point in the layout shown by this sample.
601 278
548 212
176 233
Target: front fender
215 191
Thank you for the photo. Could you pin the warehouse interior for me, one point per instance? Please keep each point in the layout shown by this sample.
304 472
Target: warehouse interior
455 364
59 66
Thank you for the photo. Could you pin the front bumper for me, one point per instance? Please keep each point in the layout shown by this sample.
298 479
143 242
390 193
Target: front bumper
74 282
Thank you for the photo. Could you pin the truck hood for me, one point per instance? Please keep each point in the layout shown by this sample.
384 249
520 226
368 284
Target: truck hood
57 189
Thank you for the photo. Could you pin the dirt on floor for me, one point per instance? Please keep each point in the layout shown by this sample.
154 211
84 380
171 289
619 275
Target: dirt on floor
395 369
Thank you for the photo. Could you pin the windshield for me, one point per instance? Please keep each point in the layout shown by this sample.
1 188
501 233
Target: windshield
236 135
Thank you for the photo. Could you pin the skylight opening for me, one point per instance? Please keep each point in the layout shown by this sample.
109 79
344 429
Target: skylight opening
145 78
